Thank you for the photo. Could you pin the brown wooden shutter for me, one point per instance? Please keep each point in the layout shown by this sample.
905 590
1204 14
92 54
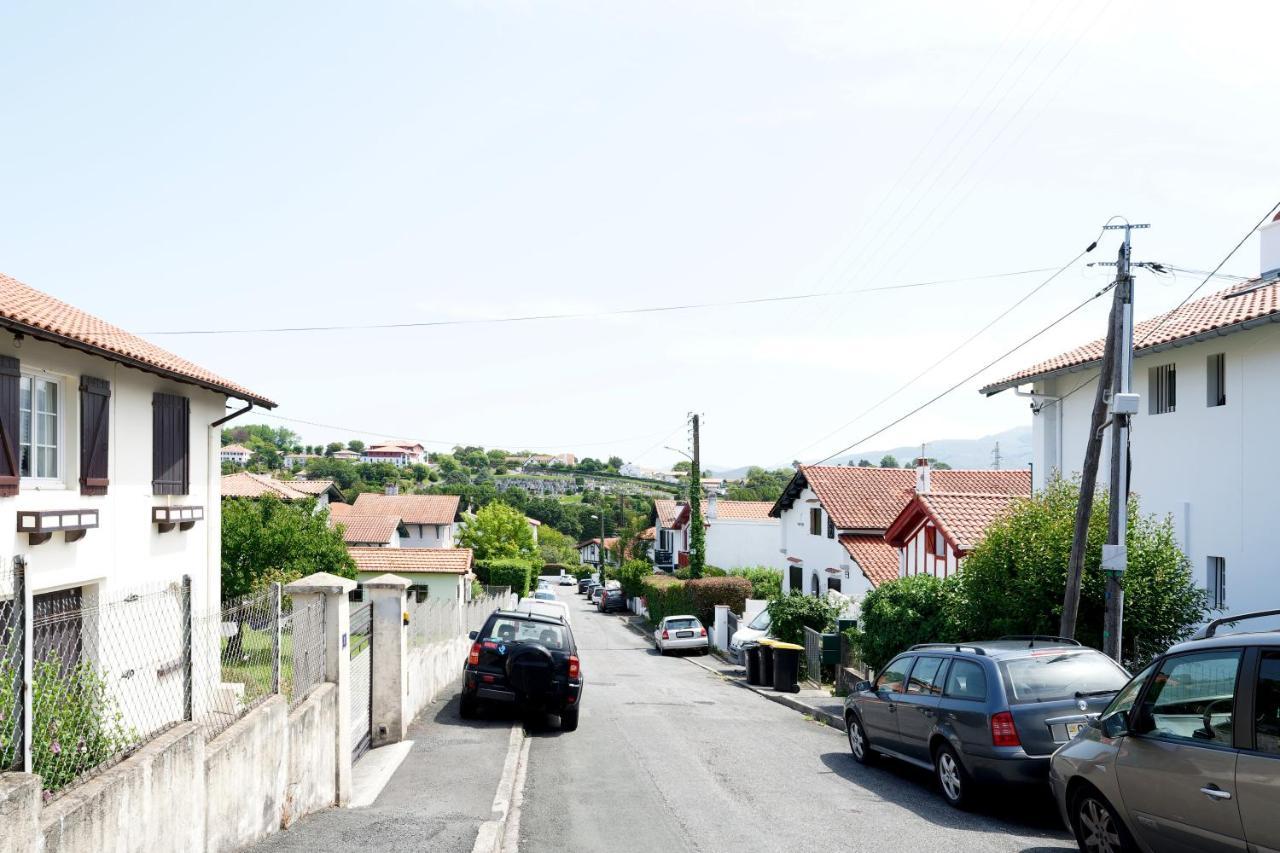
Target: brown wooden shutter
95 420
170 437
10 392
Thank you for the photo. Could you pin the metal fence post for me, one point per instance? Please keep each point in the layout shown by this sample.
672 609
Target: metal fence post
188 680
22 599
275 637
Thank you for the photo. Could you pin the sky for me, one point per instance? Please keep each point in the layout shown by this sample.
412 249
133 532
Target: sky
177 167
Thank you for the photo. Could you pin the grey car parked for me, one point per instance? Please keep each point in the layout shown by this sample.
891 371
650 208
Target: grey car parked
1187 756
985 712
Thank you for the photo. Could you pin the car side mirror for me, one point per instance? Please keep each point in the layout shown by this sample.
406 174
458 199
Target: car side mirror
1116 725
474 634
862 687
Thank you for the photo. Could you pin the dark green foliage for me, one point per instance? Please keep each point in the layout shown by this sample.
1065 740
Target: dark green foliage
632 575
265 540
899 614
665 596
766 583
761 485
515 573
792 612
707 592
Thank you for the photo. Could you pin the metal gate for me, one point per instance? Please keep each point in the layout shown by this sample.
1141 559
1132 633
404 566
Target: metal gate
361 678
813 655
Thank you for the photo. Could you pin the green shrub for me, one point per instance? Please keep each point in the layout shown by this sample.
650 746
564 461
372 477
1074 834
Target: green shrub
665 596
632 574
507 571
916 609
766 583
714 572
583 572
555 568
707 592
684 574
792 612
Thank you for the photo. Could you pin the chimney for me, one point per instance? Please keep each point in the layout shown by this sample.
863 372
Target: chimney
392 489
922 476
1269 241
711 505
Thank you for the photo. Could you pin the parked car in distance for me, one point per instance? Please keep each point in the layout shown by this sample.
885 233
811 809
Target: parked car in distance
982 712
525 660
583 583
1187 755
681 633
753 632
555 609
567 580
596 592
545 594
611 599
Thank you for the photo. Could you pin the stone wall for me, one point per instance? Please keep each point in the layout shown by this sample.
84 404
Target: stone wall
244 778
311 784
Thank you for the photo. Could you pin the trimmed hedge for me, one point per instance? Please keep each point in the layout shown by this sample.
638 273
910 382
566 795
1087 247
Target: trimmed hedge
766 583
515 573
632 575
556 568
667 596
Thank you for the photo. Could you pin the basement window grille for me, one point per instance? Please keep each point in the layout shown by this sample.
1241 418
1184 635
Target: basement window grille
1163 382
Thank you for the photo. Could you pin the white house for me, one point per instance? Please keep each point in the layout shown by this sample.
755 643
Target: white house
1208 375
348 455
297 460
738 533
245 484
237 454
110 470
399 455
428 521
936 530
433 573
589 551
833 521
371 531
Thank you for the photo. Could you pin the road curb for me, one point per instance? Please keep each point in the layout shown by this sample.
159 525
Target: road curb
489 838
785 699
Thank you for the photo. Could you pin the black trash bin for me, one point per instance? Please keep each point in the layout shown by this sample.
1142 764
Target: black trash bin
786 667
766 663
751 653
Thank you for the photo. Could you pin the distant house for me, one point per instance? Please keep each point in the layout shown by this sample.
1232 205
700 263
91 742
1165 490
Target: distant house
589 551
297 460
399 455
738 533
433 573
348 455
429 521
236 454
249 485
372 531
544 460
833 520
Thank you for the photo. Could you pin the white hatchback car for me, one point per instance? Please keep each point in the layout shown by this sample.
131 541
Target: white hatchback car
680 633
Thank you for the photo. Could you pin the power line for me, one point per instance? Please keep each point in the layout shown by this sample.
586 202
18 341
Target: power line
692 306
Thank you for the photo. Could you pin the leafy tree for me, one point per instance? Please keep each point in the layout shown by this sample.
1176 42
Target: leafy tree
682 465
766 583
614 463
590 466
792 612
266 457
419 472
888 461
910 610
265 540
498 531
332 448
556 547
865 463
760 485
341 471
355 445
940 466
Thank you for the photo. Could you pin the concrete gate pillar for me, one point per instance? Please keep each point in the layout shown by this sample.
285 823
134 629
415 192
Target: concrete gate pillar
389 657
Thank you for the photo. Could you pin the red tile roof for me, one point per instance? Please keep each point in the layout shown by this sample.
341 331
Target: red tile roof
448 561
877 559
27 310
1212 314
962 518
361 529
312 487
235 448
871 498
413 509
669 511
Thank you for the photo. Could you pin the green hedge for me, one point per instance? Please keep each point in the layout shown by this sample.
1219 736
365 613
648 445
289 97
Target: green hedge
556 568
665 596
793 612
517 574
632 575
766 583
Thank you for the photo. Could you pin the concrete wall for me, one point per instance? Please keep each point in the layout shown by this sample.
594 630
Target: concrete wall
311 783
19 813
151 801
738 543
432 668
244 777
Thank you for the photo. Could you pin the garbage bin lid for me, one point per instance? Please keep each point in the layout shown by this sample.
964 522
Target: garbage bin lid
767 641
791 647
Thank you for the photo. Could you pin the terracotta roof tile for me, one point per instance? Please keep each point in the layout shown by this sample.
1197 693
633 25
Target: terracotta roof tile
413 509
1212 313
877 559
669 510
964 518
235 448
363 529
455 561
246 484
312 487
33 312
871 498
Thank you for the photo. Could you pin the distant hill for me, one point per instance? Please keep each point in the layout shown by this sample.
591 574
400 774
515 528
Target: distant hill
1015 452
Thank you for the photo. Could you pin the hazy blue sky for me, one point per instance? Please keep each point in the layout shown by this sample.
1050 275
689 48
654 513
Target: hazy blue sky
176 166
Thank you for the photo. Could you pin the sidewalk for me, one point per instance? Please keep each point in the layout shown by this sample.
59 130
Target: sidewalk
817 703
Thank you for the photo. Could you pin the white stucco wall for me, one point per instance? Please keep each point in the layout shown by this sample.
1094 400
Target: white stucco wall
736 543
816 553
429 536
915 556
1209 468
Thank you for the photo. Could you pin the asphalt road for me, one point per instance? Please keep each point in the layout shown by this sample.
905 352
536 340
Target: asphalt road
671 757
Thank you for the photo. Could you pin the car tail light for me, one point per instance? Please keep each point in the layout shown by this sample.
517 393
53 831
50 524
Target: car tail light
1003 731
665 635
474 657
575 668
702 631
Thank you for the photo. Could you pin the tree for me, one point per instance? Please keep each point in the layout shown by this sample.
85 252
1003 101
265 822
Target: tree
332 448
498 531
355 445
865 463
761 485
615 462
682 465
265 540
590 466
556 547
341 471
888 461
697 530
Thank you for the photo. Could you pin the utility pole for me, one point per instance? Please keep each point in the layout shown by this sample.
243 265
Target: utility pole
995 457
697 533
600 550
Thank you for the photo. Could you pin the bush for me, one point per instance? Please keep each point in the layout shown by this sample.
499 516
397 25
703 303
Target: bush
766 583
556 568
584 571
898 614
632 574
665 596
517 574
714 572
792 612
707 592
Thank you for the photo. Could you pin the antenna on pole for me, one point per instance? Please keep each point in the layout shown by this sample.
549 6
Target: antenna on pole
995 457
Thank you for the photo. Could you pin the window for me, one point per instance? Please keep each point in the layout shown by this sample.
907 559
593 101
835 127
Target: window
833 584
966 680
1216 575
815 521
1054 675
58 628
418 593
1267 704
831 528
1162 385
1193 697
38 428
894 677
170 439
1216 386
939 544
924 677
796 579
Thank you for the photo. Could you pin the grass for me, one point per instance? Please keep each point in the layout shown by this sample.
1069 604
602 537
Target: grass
253 670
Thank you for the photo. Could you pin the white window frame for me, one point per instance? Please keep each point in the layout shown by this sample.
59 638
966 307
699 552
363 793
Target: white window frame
60 382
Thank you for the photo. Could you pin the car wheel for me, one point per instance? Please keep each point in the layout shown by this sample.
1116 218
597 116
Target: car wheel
1097 827
569 720
953 779
661 650
468 706
859 746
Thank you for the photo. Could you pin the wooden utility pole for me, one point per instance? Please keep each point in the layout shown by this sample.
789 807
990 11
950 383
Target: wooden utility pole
697 533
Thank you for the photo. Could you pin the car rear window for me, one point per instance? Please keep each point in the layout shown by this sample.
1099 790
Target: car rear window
966 680
1053 674
681 624
507 630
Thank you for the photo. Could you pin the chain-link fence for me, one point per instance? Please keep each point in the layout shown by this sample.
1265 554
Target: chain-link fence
302 649
11 640
432 621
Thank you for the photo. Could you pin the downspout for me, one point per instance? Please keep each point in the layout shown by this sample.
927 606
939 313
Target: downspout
220 421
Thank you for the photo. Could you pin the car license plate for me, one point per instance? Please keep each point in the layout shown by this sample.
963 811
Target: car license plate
1073 729
683 634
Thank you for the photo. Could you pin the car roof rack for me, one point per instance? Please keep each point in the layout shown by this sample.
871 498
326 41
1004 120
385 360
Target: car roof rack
1032 638
958 647
1212 628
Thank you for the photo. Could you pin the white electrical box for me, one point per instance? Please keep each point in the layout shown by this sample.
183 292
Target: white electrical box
1115 558
1124 404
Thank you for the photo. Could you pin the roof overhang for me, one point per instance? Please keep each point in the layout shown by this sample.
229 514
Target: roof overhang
787 499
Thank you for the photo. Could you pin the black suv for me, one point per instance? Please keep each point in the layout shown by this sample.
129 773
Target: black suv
612 599
991 711
526 660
